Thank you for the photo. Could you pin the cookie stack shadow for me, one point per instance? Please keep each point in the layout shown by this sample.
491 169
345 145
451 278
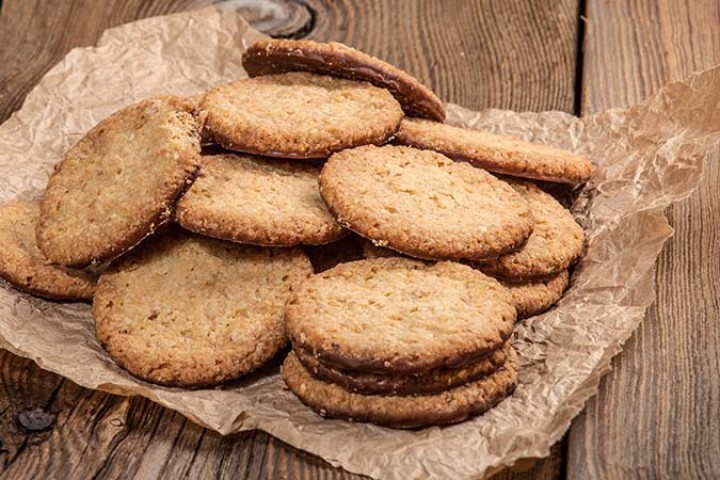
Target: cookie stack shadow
187 222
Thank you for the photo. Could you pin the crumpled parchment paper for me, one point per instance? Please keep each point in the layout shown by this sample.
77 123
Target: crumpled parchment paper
646 158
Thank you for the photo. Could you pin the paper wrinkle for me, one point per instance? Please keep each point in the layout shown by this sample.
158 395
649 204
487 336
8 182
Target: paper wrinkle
646 158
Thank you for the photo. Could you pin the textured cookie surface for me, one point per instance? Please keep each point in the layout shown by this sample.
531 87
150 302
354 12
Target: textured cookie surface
399 315
118 183
423 204
298 115
23 264
533 298
496 153
450 406
251 200
432 381
278 56
193 311
556 242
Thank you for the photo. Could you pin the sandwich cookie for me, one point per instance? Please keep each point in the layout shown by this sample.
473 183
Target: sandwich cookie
399 316
449 406
432 381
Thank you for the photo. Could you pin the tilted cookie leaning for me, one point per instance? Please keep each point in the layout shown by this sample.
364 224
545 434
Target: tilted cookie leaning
119 182
271 56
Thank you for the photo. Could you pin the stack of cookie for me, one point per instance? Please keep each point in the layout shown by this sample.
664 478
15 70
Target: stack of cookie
322 141
400 342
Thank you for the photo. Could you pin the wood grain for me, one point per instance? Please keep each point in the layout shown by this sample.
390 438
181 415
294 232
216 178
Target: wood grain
658 414
96 435
479 53
36 35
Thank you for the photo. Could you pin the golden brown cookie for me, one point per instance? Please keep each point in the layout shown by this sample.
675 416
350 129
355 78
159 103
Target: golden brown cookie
433 381
556 242
423 204
252 200
533 298
23 264
450 406
270 56
119 183
399 315
298 115
497 153
192 311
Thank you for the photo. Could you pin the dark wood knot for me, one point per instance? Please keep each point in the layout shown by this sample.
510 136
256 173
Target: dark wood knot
36 420
277 18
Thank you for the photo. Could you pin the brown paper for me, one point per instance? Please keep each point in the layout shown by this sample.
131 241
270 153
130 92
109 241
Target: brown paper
646 158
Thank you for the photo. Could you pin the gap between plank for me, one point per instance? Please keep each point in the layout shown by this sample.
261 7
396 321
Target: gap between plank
579 57
577 110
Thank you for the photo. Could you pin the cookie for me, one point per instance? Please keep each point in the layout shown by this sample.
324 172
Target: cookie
192 311
23 264
433 381
535 297
298 115
119 183
251 200
556 242
423 204
497 153
449 406
399 315
277 56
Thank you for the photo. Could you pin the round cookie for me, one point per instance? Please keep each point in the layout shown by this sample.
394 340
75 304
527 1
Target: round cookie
399 315
433 381
23 264
423 204
247 199
192 311
298 115
535 297
449 406
270 56
556 242
497 153
119 183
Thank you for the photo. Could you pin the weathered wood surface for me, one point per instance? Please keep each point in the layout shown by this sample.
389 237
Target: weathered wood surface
658 414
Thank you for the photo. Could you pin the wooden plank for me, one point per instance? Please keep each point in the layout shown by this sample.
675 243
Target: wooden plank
512 54
480 53
658 413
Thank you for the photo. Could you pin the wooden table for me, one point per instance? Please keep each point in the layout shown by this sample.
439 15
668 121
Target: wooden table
656 416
